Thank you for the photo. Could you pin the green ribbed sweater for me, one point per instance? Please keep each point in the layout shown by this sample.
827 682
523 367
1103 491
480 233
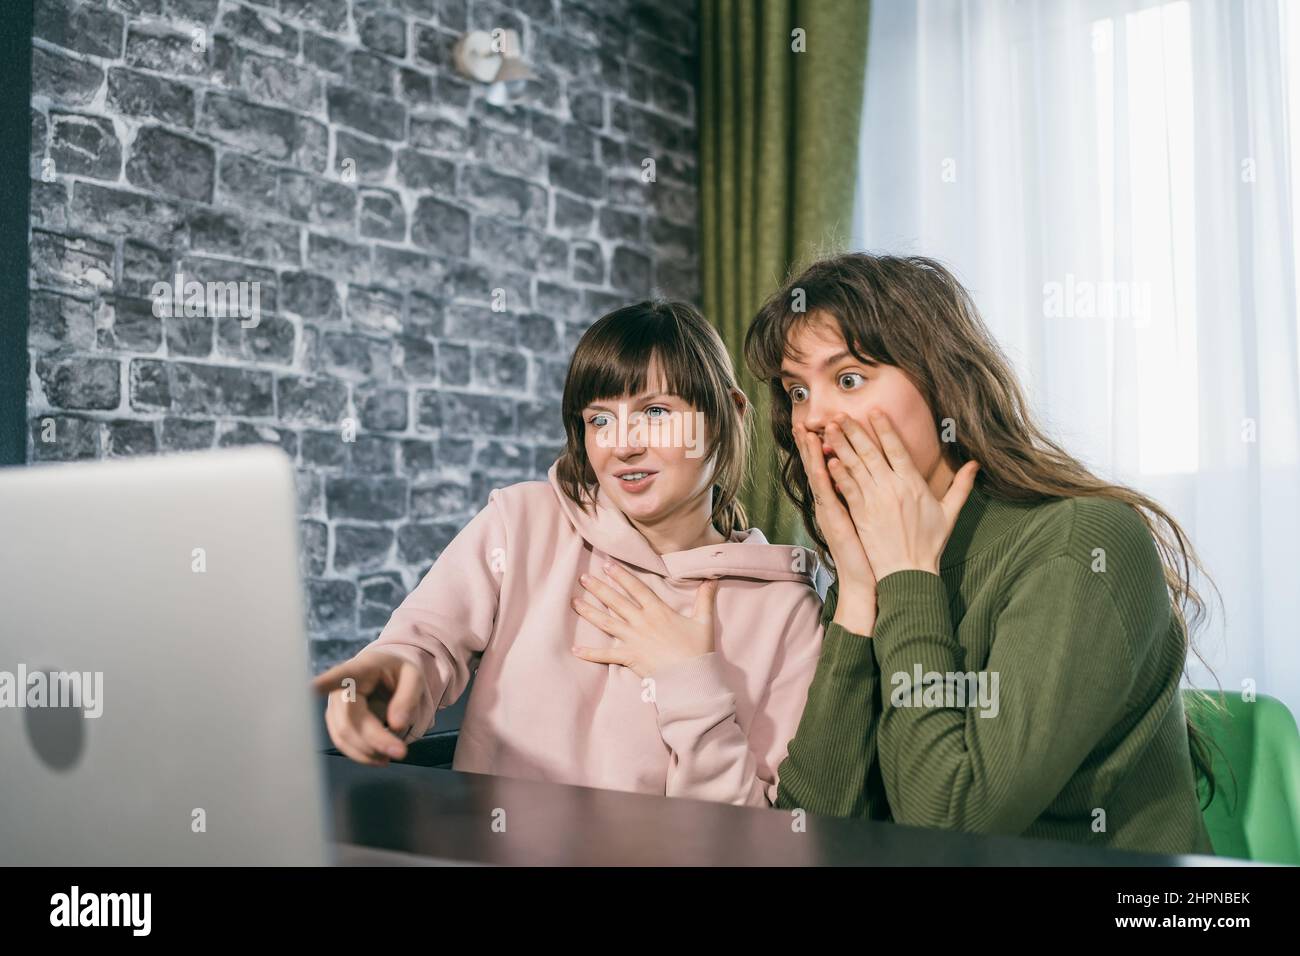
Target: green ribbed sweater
1065 602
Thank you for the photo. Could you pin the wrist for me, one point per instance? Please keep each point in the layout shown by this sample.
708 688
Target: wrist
687 681
884 570
857 617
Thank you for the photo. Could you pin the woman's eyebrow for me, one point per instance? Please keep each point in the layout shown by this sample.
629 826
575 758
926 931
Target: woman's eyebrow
636 401
835 359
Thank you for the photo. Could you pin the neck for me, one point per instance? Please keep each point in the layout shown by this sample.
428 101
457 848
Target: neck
982 522
690 528
941 478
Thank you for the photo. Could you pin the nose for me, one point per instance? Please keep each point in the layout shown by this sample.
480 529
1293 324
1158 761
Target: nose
628 452
634 443
818 412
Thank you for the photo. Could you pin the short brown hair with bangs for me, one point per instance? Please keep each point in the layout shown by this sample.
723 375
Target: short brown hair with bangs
613 358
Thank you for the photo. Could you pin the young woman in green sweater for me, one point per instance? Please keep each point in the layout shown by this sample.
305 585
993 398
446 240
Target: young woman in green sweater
1006 633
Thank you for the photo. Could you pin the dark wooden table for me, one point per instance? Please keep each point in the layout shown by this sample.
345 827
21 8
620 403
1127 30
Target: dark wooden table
404 814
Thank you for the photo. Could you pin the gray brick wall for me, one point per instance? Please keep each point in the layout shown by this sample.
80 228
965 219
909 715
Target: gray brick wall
326 150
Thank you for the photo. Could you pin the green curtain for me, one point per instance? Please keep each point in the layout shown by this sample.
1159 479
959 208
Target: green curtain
778 162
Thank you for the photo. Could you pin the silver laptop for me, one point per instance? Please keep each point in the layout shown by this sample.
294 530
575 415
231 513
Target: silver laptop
154 698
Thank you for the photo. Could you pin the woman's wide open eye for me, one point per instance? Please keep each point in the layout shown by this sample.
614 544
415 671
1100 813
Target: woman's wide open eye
798 394
599 420
857 377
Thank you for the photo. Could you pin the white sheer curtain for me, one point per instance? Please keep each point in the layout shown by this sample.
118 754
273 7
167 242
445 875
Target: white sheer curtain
1118 184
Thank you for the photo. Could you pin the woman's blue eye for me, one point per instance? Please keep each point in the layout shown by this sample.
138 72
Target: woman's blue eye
852 375
653 408
596 420
798 394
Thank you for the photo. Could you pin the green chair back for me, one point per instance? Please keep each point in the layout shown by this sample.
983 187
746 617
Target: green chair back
1255 814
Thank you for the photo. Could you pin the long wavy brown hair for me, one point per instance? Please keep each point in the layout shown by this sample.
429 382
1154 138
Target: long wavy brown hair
912 313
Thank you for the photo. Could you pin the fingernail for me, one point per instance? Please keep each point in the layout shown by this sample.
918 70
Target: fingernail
583 578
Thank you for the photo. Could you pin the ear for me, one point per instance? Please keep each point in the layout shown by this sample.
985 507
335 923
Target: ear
741 400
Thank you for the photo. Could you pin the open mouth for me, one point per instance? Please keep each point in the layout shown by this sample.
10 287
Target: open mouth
636 480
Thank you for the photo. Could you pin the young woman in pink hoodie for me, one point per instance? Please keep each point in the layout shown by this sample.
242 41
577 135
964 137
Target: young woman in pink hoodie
624 628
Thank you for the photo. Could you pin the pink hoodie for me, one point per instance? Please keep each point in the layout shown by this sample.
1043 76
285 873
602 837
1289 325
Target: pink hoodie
496 603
